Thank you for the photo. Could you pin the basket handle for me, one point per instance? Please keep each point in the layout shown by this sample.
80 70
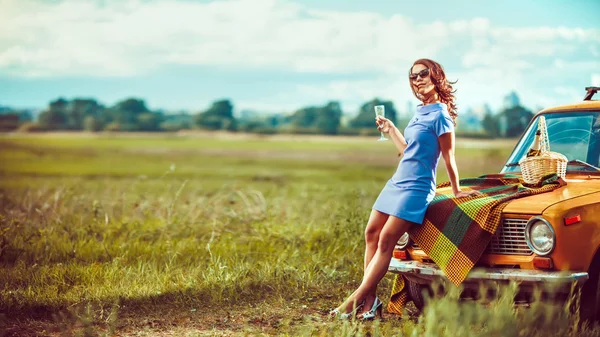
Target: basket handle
544 141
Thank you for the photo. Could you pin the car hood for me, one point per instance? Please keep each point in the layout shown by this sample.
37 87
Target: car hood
536 204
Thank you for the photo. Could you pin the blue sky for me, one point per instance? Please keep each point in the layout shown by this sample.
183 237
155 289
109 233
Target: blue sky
278 56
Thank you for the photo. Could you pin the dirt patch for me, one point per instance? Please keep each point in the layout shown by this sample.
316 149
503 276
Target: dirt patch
267 318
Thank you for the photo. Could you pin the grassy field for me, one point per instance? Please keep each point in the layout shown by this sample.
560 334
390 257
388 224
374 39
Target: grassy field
212 234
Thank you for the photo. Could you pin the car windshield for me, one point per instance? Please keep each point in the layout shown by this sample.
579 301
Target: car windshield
574 134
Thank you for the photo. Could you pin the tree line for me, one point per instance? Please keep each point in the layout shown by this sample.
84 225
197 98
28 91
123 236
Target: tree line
132 114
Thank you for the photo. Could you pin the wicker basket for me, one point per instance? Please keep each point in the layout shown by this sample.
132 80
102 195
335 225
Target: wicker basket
534 168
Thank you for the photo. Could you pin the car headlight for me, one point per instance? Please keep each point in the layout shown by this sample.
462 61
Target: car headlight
539 236
403 241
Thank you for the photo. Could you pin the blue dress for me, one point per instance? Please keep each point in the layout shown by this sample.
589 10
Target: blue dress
410 190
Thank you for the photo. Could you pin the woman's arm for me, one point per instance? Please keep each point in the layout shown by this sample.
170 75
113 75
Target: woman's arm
398 140
447 147
386 125
446 141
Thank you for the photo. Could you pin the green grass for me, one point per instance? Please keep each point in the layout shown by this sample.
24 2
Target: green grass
100 233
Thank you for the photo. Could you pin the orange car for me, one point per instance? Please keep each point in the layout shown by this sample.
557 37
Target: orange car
549 237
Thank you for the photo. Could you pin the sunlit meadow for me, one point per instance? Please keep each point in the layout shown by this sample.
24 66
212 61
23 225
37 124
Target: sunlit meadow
213 234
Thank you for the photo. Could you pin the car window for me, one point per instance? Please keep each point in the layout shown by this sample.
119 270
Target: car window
575 135
570 136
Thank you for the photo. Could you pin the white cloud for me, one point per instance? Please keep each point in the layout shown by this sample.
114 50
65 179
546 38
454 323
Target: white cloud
572 93
132 36
135 37
588 65
355 92
595 80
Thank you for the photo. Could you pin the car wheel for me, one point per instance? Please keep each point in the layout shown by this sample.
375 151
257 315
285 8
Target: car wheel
589 302
417 293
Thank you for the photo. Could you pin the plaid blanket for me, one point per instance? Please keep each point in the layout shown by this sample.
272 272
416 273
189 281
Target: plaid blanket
455 232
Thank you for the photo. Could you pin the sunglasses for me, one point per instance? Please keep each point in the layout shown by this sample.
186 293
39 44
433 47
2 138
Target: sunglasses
423 73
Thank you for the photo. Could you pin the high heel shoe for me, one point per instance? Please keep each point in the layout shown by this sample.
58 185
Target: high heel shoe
375 309
345 316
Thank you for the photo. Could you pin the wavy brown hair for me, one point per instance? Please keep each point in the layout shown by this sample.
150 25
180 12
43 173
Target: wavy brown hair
443 87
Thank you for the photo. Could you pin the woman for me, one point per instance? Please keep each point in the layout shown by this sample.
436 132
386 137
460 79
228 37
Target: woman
403 201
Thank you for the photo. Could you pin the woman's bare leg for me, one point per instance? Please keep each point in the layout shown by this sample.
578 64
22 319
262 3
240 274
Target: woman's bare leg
375 224
393 229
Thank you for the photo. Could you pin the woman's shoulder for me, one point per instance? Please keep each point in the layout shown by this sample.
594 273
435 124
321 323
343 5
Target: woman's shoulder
432 108
440 109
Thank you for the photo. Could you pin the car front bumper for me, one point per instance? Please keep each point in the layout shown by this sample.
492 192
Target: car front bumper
429 271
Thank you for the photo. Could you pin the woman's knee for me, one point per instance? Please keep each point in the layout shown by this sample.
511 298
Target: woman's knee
376 222
390 235
372 233
386 241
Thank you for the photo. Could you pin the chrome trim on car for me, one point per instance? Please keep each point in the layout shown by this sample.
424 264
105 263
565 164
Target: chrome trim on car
528 239
508 274
509 238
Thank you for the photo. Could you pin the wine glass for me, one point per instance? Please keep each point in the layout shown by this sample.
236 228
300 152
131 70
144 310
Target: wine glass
380 111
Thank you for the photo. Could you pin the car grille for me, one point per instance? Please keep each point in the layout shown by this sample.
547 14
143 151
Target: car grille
509 239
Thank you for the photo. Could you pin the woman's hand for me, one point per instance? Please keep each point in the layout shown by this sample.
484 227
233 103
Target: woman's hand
463 194
384 124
